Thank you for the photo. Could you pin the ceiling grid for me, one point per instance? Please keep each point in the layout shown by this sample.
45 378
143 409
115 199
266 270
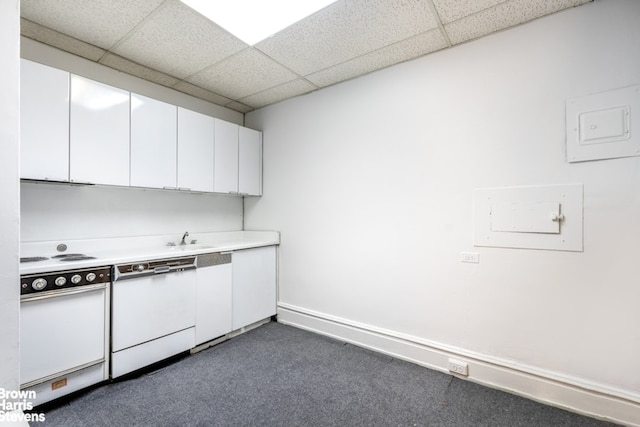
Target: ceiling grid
166 42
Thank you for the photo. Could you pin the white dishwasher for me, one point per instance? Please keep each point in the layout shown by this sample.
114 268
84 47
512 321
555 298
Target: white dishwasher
153 312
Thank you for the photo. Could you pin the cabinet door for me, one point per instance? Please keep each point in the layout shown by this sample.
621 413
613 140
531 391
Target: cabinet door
44 122
213 302
99 133
226 157
254 285
195 150
250 162
154 139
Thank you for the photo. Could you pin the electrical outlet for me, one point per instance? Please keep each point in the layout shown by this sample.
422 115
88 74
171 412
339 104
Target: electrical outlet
458 367
473 257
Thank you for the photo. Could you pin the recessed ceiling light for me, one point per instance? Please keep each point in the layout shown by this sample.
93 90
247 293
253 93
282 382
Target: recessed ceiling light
255 20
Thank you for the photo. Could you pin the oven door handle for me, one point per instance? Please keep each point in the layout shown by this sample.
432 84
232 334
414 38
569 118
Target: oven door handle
62 293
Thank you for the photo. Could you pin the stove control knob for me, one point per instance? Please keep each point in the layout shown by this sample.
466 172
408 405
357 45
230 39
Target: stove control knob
75 279
39 284
91 277
61 281
140 267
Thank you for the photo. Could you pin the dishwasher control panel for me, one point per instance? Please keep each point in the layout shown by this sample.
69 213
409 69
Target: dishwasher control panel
148 268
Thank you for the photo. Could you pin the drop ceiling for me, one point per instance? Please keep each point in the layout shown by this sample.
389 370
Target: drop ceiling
168 43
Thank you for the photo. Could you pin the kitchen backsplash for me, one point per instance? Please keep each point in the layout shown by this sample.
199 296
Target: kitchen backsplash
60 211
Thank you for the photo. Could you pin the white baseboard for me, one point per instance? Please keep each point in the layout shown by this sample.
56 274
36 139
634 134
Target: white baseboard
573 394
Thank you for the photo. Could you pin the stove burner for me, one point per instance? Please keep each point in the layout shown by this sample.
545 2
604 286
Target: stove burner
33 259
76 257
67 255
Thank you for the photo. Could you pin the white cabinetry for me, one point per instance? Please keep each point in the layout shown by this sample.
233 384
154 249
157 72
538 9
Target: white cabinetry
254 285
44 122
238 160
226 158
213 296
195 150
99 133
250 162
153 143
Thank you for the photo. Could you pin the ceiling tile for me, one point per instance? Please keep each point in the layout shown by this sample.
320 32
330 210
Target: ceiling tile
246 73
178 41
503 16
130 67
345 30
451 10
98 22
201 93
53 38
402 51
279 93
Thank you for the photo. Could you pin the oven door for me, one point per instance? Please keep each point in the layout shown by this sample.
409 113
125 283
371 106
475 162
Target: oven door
62 332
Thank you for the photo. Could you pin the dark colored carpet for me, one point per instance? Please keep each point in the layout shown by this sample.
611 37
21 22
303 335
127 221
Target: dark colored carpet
277 375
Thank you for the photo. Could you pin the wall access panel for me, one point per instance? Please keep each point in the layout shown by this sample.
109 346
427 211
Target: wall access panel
601 126
536 217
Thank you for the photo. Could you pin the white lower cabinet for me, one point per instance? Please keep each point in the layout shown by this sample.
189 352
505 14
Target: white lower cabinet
254 285
213 296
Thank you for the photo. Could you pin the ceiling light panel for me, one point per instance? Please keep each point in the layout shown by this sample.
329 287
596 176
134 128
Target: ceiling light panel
255 20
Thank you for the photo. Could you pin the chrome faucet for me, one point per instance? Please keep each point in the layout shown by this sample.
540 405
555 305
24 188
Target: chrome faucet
184 236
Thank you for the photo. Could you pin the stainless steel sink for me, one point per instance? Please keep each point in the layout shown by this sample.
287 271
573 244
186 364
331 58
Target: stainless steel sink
194 247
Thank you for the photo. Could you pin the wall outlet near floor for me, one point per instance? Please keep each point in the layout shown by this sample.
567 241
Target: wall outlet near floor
458 367
473 257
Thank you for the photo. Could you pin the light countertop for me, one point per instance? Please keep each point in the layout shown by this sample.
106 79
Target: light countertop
120 250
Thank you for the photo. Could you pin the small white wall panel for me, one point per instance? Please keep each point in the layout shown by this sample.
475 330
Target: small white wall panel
44 122
525 217
153 143
600 126
536 217
99 133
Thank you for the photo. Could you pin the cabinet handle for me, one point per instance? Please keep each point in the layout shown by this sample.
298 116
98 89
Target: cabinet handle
184 189
169 188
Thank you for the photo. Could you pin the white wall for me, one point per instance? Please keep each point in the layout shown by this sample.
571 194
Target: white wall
51 212
9 193
371 184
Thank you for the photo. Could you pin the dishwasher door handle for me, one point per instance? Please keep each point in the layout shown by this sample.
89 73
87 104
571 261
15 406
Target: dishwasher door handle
162 269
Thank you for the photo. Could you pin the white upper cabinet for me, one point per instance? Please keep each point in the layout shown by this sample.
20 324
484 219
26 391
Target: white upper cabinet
44 122
99 133
238 160
153 143
250 162
226 158
195 150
